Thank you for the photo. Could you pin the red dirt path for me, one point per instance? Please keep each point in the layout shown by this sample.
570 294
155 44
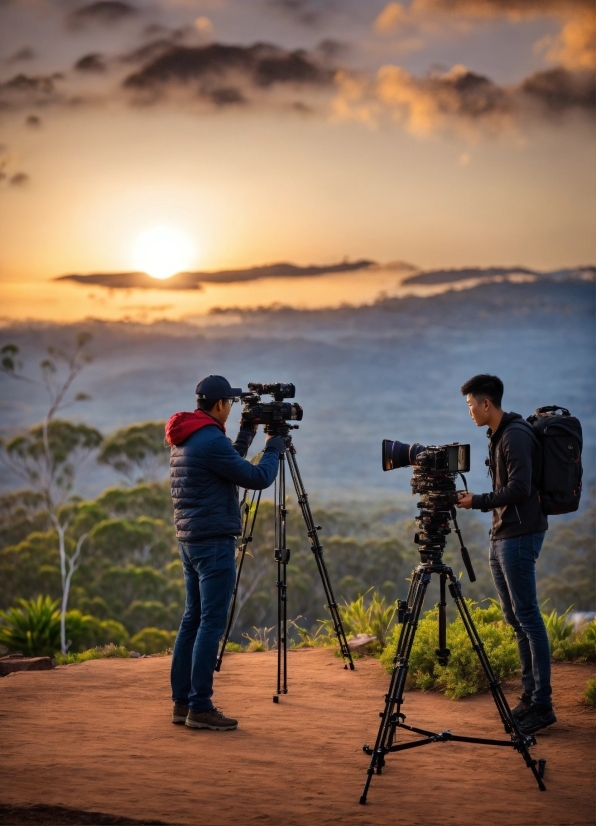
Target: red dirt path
98 737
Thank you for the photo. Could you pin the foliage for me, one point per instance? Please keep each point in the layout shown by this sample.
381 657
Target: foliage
234 646
152 640
137 452
558 626
463 675
259 641
376 619
33 628
578 646
100 652
590 693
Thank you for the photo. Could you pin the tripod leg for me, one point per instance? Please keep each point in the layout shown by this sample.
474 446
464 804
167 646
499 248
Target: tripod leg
250 515
390 717
442 651
317 550
520 742
282 555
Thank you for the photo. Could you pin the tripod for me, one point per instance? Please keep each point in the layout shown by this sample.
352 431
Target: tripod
435 515
282 556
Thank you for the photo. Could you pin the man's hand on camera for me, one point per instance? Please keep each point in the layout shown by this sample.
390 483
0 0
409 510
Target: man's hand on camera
278 442
250 426
464 500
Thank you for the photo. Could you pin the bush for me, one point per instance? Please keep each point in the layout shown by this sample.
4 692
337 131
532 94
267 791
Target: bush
590 693
575 646
463 675
152 641
98 653
33 628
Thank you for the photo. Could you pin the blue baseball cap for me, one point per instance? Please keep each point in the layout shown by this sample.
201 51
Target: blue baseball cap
214 388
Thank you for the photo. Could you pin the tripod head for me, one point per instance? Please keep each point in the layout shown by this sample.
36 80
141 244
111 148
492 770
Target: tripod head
438 495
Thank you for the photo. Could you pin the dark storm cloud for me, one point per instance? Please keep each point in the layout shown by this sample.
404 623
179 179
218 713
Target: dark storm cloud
216 69
558 90
103 13
93 63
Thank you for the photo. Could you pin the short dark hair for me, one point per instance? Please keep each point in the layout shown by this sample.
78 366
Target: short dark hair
206 404
484 386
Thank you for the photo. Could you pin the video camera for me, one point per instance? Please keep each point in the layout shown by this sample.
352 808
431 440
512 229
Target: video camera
453 458
275 414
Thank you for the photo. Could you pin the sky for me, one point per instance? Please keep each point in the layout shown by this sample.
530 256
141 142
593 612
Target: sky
443 133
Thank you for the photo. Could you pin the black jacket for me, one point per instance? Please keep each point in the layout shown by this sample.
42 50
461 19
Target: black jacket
513 456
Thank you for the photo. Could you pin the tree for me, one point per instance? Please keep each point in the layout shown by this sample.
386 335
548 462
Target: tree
137 452
48 455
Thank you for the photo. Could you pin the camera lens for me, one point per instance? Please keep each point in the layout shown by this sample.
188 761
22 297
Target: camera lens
400 454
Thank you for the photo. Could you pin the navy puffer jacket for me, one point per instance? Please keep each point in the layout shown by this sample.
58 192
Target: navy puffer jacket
205 471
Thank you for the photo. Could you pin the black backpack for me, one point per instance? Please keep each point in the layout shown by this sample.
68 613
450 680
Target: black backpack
560 435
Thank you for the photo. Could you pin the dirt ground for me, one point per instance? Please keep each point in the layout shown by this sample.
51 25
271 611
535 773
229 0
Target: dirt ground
97 737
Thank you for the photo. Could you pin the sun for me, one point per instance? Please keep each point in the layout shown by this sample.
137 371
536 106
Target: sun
162 251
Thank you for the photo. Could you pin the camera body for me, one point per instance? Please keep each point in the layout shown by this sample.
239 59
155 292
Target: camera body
453 458
275 414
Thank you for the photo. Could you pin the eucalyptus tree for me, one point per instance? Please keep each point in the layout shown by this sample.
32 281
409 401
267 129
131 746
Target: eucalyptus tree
47 456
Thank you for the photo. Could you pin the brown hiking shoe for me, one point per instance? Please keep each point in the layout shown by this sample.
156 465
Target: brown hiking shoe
212 719
179 713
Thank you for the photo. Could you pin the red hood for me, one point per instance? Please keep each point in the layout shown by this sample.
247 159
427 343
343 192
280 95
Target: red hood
180 426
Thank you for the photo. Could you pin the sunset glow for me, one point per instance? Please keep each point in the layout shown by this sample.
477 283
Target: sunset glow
162 251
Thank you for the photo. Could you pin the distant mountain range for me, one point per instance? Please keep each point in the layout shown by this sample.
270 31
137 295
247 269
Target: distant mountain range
194 280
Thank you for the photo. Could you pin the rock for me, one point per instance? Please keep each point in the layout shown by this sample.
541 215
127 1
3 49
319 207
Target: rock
10 664
360 641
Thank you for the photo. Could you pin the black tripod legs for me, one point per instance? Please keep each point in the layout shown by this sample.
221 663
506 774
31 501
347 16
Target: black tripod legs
392 718
317 550
519 741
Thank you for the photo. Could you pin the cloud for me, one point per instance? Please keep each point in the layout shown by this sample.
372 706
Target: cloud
33 122
195 280
19 179
22 55
306 12
103 13
226 74
27 90
558 90
462 101
93 63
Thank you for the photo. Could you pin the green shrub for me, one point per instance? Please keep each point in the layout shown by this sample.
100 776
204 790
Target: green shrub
463 675
260 640
98 653
33 628
590 693
375 620
234 646
558 626
152 641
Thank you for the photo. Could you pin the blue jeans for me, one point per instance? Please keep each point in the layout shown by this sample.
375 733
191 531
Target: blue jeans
209 576
513 566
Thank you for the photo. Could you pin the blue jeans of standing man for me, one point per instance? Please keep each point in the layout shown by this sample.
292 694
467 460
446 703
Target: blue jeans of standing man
513 566
209 575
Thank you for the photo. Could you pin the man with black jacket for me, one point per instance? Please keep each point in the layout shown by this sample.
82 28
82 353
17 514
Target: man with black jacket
205 470
517 533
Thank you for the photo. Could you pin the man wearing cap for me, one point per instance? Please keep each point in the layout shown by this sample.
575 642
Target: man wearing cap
205 471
